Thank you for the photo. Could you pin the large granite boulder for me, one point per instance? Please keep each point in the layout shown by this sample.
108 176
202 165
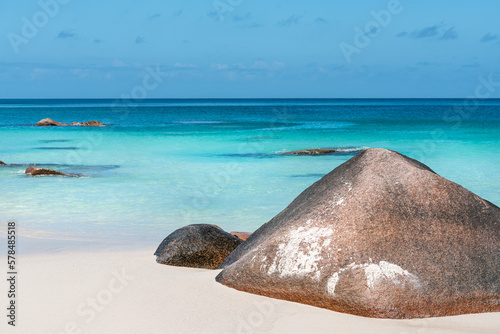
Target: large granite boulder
197 245
50 122
382 236
35 171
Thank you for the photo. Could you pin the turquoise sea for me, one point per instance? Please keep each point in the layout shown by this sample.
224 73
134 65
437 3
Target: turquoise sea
158 165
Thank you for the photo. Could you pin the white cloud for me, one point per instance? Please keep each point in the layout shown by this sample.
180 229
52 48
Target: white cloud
257 65
220 67
185 65
38 73
260 65
119 63
81 73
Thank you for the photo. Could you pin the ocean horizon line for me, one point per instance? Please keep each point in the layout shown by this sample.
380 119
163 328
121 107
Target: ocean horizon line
131 102
243 98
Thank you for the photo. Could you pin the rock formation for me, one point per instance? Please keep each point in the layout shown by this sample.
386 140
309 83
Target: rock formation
51 122
198 245
312 151
381 236
35 171
89 123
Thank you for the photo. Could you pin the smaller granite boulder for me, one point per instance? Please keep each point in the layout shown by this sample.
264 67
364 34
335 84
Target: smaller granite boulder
35 171
312 151
92 123
242 235
50 122
198 246
89 123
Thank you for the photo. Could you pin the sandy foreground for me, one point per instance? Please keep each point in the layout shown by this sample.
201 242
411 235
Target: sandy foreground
117 291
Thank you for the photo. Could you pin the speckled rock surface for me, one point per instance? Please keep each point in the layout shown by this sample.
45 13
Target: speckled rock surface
35 171
381 236
89 123
197 245
50 122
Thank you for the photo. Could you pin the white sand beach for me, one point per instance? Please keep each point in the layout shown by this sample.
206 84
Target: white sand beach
115 291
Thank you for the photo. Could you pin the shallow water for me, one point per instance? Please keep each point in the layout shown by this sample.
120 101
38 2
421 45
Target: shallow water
163 164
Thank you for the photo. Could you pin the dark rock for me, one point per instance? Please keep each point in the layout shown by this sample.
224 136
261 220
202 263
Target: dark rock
312 151
50 122
382 236
35 171
2 163
198 245
242 235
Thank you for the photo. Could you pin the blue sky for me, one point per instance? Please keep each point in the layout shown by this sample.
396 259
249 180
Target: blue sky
243 48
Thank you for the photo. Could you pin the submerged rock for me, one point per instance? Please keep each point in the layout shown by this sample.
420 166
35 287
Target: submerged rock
35 171
312 151
50 122
327 151
382 236
198 245
242 235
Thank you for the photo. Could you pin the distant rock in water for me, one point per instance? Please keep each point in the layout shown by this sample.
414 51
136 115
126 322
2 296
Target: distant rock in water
2 163
242 235
51 122
89 123
381 236
327 151
312 151
198 246
35 171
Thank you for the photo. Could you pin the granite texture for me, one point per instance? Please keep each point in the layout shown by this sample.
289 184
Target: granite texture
381 235
197 245
51 122
35 171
